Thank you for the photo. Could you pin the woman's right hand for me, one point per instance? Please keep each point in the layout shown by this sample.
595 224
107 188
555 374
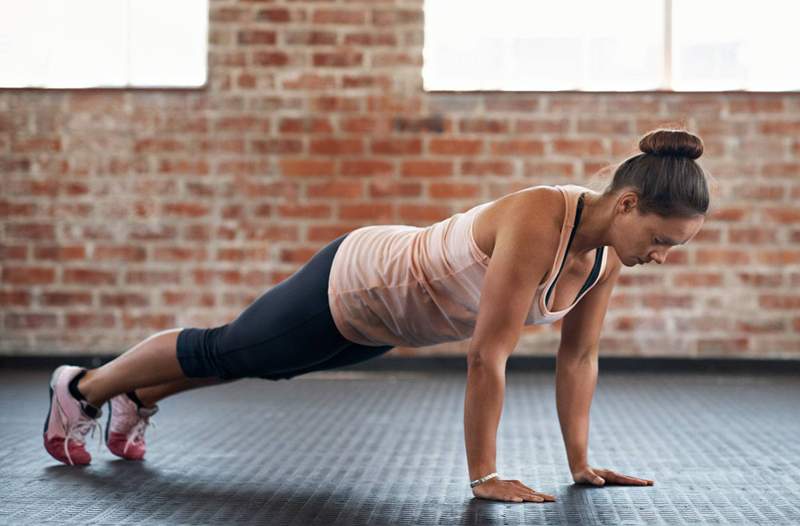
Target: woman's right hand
509 491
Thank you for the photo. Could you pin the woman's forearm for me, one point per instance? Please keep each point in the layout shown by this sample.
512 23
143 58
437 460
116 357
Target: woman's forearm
575 383
483 405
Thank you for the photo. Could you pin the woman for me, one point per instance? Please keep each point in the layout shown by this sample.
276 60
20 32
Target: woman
482 274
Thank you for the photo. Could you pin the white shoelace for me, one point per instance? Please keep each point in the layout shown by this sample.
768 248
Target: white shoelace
136 433
78 431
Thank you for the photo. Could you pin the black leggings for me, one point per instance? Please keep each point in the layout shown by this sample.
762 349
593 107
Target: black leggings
285 332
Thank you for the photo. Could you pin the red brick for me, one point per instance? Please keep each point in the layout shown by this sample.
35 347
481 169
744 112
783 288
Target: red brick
662 301
336 147
512 103
454 190
422 213
256 37
779 257
152 322
90 321
338 16
363 124
64 298
326 233
702 324
369 211
722 346
121 253
277 146
180 254
276 15
311 38
28 231
783 215
186 209
395 17
455 146
187 299
639 324
36 145
155 145
335 190
312 211
152 277
30 320
335 104
305 125
242 124
720 256
60 252
393 188
541 125
124 299
397 146
427 169
548 169
779 302
756 279
578 147
306 168
752 235
367 168
13 252
483 125
782 127
88 276
752 105
28 275
310 81
490 167
15 298
297 255
270 58
517 147
370 39
698 279
345 58
761 326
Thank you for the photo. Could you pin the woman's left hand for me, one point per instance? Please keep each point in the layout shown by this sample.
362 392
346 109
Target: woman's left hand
600 477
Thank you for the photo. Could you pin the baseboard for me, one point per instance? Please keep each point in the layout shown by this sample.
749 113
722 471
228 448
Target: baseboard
458 363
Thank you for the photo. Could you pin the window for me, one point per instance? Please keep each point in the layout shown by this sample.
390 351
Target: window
103 43
611 45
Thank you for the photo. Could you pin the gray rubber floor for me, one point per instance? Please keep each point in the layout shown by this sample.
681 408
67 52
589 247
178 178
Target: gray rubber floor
352 447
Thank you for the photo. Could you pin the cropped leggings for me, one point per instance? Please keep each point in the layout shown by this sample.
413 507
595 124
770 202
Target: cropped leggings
285 332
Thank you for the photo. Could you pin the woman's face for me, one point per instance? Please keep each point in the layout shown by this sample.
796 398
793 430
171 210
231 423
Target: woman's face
641 239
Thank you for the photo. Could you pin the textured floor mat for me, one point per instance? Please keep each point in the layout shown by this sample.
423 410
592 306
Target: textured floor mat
352 448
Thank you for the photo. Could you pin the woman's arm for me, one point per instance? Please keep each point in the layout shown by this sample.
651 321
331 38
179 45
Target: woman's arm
521 256
576 364
576 378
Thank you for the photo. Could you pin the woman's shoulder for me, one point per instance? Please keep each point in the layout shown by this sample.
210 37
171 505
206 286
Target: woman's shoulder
537 210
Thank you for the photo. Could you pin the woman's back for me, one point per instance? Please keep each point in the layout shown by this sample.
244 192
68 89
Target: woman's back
417 286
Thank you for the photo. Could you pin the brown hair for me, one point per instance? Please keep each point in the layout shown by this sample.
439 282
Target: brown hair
665 175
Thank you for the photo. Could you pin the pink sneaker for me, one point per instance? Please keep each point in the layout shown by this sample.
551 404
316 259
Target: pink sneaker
68 421
126 425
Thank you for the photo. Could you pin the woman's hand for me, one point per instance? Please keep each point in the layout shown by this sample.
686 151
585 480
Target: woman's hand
510 491
599 477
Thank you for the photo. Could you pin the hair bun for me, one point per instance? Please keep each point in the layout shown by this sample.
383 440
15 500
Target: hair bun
675 143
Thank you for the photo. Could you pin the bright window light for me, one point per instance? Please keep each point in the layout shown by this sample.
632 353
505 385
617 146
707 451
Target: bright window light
613 45
103 43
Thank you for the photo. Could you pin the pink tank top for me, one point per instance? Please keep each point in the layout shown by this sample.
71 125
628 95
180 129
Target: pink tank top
414 286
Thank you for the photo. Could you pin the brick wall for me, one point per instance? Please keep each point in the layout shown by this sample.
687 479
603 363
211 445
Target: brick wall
125 212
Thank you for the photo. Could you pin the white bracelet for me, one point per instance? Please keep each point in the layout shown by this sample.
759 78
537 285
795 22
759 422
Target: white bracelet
481 480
